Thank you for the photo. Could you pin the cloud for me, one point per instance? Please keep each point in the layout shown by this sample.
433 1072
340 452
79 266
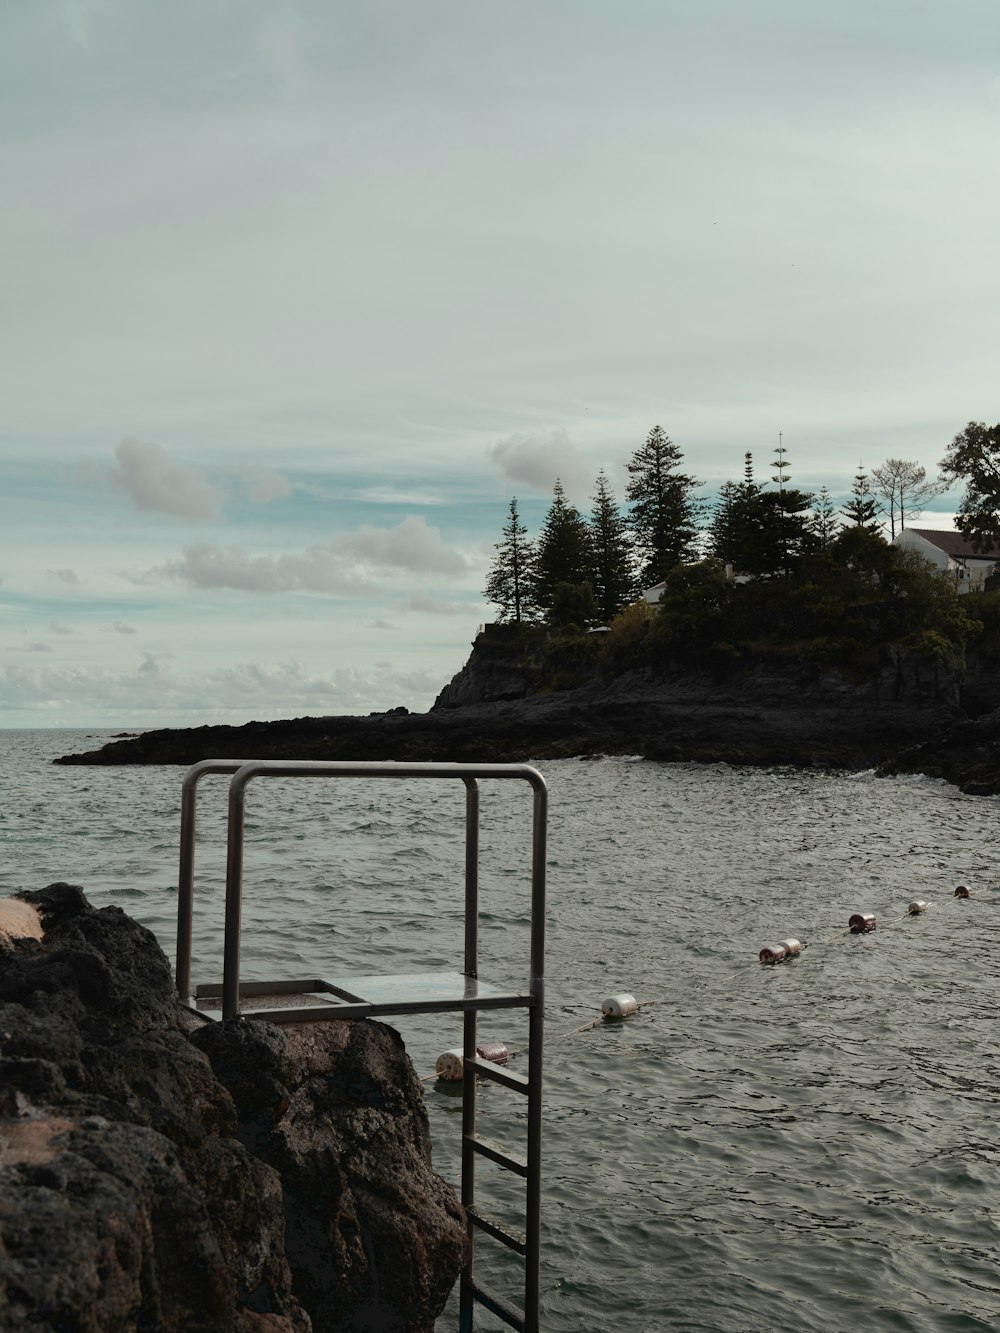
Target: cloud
536 460
261 486
343 566
66 576
153 481
379 624
120 627
154 687
411 545
38 648
60 629
433 606
317 569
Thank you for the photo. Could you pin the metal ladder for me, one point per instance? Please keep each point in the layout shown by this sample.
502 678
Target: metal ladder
313 999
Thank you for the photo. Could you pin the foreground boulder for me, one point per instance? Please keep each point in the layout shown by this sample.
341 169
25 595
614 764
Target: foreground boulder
231 1178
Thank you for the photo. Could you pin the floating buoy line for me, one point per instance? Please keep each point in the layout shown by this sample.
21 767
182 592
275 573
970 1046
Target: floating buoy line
450 1065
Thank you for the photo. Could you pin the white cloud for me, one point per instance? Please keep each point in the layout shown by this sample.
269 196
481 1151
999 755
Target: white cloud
343 566
38 648
66 576
262 486
379 624
434 606
536 460
317 569
155 688
153 481
120 627
60 629
411 545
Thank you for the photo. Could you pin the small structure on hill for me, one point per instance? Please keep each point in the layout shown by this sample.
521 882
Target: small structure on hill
951 553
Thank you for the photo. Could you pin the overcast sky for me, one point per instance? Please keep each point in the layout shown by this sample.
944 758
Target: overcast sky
296 295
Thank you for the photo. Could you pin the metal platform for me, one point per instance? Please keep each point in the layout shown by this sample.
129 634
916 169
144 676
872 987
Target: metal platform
314 999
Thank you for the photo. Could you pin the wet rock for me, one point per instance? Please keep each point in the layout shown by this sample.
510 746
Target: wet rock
239 1181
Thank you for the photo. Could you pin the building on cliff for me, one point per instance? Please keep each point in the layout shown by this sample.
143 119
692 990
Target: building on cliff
951 553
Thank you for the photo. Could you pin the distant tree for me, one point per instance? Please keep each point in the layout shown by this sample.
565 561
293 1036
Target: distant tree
974 457
510 582
736 533
904 489
563 552
664 515
861 511
822 523
723 539
615 584
784 518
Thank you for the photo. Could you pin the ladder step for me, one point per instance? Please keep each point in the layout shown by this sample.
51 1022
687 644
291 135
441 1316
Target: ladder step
499 1074
498 1306
514 1240
496 1152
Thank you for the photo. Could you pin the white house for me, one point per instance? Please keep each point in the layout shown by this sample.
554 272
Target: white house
951 553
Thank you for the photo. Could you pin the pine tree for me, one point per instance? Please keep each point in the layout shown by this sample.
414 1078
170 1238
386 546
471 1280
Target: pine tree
861 511
562 553
615 584
510 581
823 523
664 516
784 516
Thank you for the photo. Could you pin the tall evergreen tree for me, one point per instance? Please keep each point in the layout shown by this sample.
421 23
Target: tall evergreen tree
615 584
784 515
861 511
823 523
664 515
563 552
723 531
510 583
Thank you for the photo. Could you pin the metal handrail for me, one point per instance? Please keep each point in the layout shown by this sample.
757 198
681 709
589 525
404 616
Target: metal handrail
244 771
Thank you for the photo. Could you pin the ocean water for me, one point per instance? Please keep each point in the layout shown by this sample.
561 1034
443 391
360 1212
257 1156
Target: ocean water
808 1147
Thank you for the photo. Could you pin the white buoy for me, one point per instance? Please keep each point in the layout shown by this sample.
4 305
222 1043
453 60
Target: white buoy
915 907
861 922
792 947
773 953
619 1006
450 1065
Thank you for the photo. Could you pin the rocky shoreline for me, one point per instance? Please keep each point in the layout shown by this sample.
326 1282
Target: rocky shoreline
769 713
160 1173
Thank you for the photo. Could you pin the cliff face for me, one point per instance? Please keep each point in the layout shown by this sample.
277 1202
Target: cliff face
502 707
232 1179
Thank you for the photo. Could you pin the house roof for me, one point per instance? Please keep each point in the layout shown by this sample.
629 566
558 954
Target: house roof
954 544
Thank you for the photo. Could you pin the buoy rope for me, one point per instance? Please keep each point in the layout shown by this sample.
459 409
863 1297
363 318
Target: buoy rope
604 1016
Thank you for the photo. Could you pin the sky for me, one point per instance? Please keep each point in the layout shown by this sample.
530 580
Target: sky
296 294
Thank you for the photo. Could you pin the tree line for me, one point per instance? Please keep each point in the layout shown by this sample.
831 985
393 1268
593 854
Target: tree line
586 569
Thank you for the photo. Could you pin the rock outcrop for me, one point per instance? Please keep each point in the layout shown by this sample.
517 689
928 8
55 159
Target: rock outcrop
765 712
967 755
160 1174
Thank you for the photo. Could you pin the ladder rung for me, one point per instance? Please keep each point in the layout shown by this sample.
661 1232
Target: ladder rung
496 1152
498 1306
514 1240
509 1079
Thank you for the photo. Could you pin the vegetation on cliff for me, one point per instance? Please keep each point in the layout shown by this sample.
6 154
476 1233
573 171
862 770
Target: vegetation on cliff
842 611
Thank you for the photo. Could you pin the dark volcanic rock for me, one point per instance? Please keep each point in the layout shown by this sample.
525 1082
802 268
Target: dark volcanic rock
767 712
968 754
237 1180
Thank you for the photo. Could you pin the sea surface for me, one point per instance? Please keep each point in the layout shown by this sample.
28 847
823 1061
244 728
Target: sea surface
813 1146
